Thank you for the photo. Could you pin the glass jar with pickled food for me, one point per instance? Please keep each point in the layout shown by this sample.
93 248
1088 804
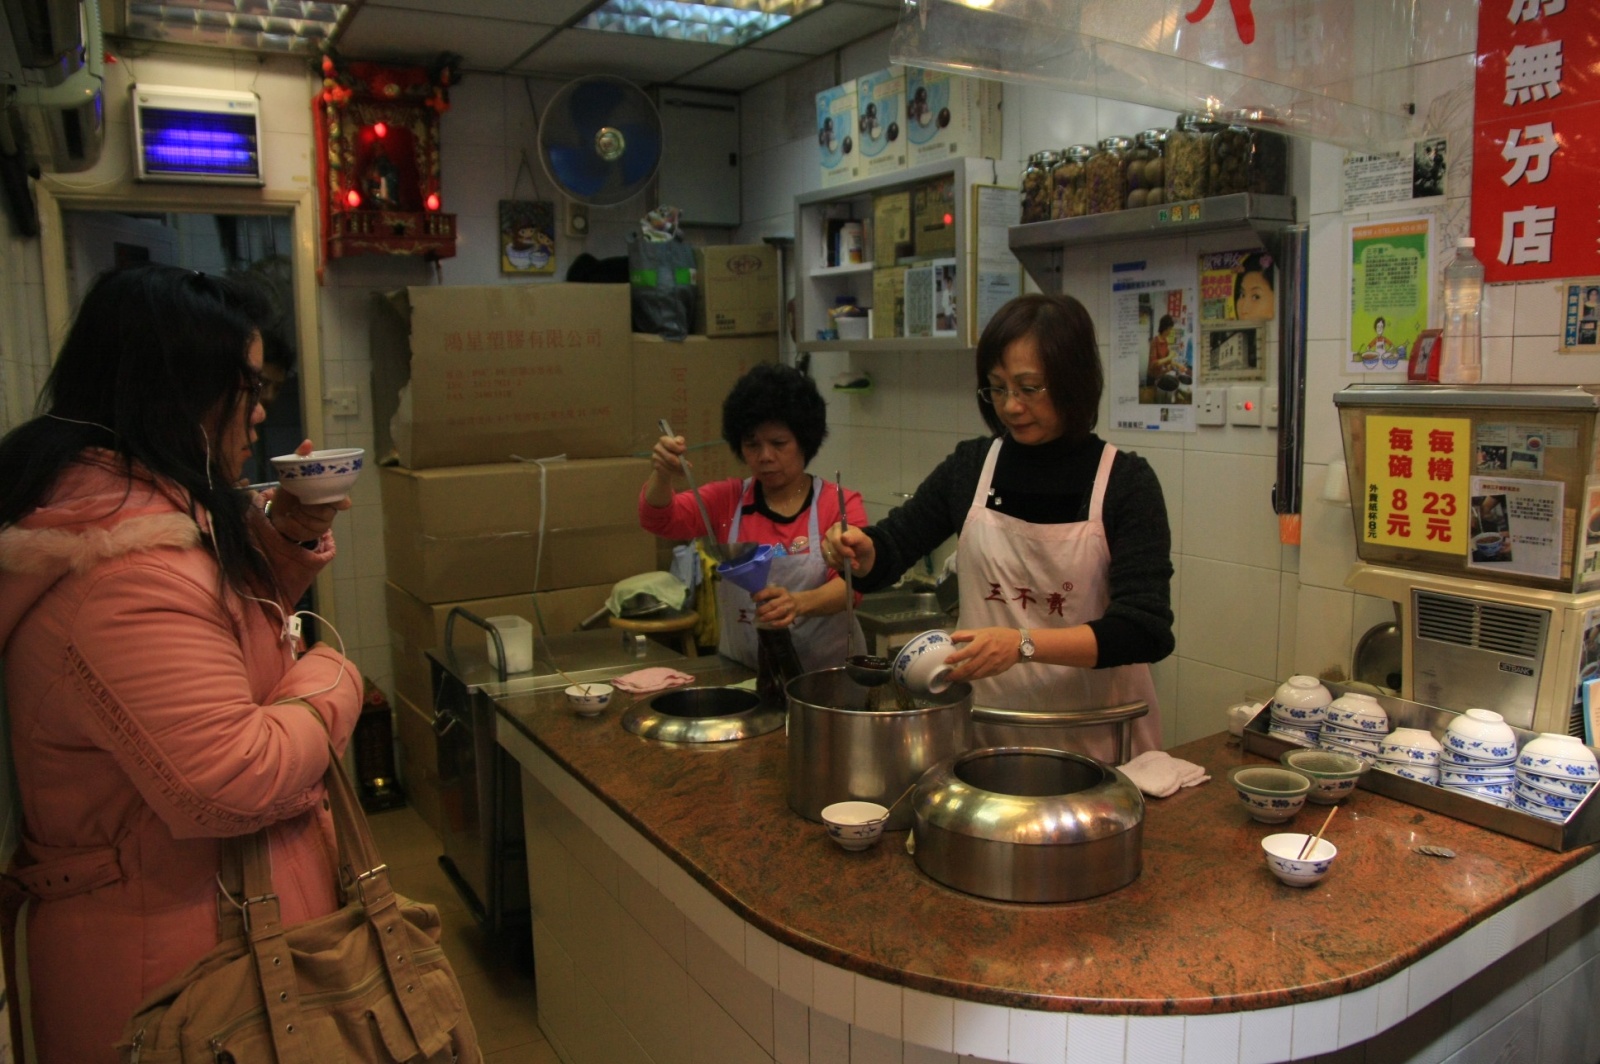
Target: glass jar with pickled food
1186 158
1246 157
1146 182
1069 193
1036 186
1105 176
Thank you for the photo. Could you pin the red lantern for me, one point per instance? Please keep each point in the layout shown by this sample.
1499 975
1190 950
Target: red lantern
352 199
433 201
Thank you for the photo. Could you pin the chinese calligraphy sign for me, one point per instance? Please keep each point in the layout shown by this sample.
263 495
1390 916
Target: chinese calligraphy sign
1536 139
1417 477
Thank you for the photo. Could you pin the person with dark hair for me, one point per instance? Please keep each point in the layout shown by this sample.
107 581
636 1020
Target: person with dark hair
159 700
774 420
1064 555
1255 288
1160 361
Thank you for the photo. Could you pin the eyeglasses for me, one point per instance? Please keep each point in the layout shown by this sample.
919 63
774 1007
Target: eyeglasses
253 386
1027 393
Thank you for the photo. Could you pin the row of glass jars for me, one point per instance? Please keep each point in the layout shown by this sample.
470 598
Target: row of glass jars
1201 156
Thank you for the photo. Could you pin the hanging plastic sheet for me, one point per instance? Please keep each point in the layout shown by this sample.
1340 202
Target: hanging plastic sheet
1330 70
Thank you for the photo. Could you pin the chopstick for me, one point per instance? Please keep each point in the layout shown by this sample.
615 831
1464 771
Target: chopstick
1311 841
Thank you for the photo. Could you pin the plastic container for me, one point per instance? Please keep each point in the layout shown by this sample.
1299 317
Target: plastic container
1105 176
1187 157
1461 350
1068 192
517 635
1036 186
1146 180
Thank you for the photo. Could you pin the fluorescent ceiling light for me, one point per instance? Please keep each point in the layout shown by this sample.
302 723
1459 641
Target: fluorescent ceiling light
733 23
298 26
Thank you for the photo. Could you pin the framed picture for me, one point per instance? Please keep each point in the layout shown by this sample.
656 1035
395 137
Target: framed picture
1424 362
527 236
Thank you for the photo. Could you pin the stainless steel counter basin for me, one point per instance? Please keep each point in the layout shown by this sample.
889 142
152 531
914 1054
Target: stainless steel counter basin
884 615
1028 824
703 715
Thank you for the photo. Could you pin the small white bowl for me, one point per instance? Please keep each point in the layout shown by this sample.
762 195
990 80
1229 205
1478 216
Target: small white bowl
1270 794
587 699
855 825
1358 712
322 476
1407 771
1557 785
1451 757
1554 754
1543 812
1333 774
1450 776
1294 736
920 667
1301 699
1554 801
1495 753
1483 725
1283 858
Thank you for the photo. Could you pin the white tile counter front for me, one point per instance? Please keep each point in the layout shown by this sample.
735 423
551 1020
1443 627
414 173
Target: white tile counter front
638 963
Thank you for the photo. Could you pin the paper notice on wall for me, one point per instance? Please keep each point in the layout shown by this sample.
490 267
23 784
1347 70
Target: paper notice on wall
997 278
1154 332
1517 526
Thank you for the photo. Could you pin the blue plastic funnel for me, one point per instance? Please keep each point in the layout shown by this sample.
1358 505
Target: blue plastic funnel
750 574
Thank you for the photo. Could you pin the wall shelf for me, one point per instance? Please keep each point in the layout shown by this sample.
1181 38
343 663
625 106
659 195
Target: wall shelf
1041 246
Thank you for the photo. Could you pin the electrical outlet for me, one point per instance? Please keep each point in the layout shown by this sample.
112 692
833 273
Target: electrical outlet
342 402
1244 404
1211 406
577 219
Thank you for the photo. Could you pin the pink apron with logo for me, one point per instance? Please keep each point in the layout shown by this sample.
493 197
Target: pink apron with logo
1015 574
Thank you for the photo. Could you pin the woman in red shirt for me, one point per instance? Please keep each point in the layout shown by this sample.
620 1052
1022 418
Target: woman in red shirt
775 420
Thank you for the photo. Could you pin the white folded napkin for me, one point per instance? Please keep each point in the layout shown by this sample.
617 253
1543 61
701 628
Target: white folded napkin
1158 774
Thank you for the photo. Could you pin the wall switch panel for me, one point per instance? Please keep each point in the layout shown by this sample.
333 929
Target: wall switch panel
1269 407
342 402
1211 406
1244 404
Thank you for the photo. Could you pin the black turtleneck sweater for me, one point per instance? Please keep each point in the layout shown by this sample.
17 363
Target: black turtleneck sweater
1052 483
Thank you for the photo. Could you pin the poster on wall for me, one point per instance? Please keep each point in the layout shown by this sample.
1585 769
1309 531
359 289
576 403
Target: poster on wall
1238 291
527 236
1580 317
1417 476
998 277
1516 526
1390 267
1536 105
1375 181
1590 531
1154 327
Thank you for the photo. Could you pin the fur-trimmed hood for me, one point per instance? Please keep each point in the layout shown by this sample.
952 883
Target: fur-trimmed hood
94 513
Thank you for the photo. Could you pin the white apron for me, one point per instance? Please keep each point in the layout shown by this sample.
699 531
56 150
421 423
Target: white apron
821 642
1014 574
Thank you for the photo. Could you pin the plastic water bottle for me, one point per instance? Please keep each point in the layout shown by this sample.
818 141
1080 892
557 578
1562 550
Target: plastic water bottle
1461 356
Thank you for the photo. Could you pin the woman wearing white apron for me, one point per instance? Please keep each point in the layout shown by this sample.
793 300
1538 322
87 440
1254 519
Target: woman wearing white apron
1064 556
775 420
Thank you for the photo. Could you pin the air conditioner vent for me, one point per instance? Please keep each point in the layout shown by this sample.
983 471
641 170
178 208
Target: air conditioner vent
1495 627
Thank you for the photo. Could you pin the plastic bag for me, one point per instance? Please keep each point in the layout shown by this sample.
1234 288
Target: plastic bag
663 279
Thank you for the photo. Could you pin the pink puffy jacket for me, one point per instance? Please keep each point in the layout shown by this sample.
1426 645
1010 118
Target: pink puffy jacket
143 730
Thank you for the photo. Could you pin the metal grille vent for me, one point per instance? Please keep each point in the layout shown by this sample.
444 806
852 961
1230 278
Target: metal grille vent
1491 626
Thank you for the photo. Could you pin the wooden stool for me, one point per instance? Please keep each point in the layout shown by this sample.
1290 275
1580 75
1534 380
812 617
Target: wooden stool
681 622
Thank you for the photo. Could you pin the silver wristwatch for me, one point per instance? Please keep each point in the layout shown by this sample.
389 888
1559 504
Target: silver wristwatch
1025 647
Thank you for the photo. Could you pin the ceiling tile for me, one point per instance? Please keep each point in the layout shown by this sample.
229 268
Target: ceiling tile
641 59
394 33
741 69
828 27
548 12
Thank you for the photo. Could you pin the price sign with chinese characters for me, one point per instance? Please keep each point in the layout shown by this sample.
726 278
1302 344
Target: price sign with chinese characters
1536 139
1418 473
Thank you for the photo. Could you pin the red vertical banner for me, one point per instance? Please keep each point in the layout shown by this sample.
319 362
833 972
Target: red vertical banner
1536 139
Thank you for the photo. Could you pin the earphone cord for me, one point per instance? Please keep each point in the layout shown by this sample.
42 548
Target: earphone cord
291 631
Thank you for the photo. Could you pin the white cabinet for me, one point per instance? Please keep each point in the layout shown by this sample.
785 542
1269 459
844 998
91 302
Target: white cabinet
820 283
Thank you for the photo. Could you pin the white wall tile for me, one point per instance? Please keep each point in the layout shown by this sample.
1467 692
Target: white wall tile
878 1006
830 1039
714 1035
1155 1038
761 955
915 1054
1096 1039
869 1047
982 1030
1316 1027
1358 1015
1242 528
928 1020
1211 1039
791 1030
833 991
1247 596
1037 1037
747 1000
795 974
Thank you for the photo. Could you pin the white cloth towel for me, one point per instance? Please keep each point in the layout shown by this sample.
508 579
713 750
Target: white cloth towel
1158 774
649 681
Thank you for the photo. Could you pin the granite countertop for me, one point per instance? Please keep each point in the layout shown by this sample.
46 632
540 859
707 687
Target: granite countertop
1205 928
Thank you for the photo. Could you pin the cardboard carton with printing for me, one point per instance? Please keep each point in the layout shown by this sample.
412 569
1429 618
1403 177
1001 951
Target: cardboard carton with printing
738 290
950 116
471 374
891 227
880 122
465 532
888 302
686 383
836 134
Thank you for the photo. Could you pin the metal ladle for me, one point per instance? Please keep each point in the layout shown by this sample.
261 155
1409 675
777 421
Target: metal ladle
868 670
722 550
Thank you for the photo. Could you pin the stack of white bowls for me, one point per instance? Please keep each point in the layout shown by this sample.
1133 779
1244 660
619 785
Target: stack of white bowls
1410 753
1480 750
1555 773
1355 724
1298 708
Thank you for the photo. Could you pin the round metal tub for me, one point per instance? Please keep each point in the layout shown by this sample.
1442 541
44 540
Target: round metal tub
1028 824
840 751
702 715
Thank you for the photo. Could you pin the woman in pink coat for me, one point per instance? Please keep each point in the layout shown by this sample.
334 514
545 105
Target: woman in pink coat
158 703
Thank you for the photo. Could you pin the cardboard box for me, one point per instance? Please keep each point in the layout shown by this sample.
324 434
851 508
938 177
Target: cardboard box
891 227
950 116
686 383
419 761
933 214
413 674
421 625
881 122
836 134
888 302
499 370
738 290
467 532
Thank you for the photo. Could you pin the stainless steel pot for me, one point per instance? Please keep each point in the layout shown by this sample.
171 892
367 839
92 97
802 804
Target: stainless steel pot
839 751
1028 727
1028 824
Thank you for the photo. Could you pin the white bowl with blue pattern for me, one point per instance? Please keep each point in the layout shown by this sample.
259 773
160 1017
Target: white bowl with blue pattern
320 477
1269 793
1283 857
1561 756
